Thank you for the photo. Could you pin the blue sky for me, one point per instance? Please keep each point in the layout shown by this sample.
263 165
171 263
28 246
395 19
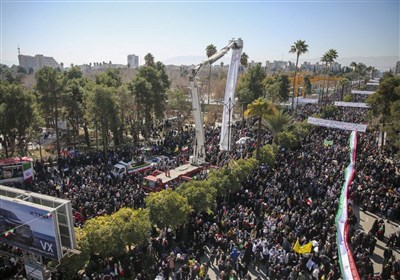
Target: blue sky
92 31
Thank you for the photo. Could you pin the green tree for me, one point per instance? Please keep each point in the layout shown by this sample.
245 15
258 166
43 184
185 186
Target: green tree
300 129
277 89
299 47
149 60
244 59
347 98
149 88
178 101
102 235
259 108
328 57
134 226
50 87
74 103
251 85
102 108
200 196
307 84
268 154
343 83
360 70
384 102
110 78
287 140
168 208
210 51
160 87
278 122
17 115
141 91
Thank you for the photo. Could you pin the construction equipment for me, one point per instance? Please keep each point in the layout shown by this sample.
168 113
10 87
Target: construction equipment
198 157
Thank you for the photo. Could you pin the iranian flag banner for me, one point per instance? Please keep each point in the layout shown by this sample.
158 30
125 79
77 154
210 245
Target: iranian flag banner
28 171
346 260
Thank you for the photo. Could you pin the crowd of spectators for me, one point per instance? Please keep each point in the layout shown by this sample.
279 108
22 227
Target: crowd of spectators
254 230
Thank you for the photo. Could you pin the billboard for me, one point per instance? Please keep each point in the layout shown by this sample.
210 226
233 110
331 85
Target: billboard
29 227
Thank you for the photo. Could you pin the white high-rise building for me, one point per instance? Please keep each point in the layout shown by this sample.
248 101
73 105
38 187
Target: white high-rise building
133 61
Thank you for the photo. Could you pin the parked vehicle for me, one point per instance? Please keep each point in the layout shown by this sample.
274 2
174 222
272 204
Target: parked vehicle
126 168
162 161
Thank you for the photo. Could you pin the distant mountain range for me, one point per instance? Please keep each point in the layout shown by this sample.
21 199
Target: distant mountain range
382 63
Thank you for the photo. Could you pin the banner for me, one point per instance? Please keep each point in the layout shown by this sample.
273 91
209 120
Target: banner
338 125
328 143
28 171
306 248
302 100
367 92
229 100
346 260
351 104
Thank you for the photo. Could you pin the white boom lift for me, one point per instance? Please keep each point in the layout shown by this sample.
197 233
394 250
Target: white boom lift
199 155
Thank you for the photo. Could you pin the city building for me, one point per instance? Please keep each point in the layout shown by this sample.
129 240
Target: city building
37 62
133 61
276 65
397 69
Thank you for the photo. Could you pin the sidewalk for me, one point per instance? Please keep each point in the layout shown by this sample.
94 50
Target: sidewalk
366 219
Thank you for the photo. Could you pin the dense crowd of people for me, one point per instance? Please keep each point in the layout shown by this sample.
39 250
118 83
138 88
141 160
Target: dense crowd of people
252 233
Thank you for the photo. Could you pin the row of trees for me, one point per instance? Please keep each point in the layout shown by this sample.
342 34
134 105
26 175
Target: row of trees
104 104
385 109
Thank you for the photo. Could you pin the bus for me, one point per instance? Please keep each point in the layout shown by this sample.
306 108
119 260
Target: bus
19 170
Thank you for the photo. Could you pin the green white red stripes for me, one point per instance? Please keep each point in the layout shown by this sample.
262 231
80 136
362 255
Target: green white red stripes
28 171
346 260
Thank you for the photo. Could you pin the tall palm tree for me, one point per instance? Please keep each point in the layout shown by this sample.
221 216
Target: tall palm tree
325 60
260 108
210 50
278 122
344 83
329 57
299 47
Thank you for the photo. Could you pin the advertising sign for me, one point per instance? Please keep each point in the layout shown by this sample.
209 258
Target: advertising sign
29 227
34 271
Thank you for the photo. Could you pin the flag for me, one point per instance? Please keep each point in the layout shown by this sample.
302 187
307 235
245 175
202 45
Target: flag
302 249
328 143
309 201
28 171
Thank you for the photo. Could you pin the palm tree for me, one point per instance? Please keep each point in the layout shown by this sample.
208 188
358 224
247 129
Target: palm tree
149 60
344 83
328 57
278 122
259 108
359 69
371 71
210 50
298 48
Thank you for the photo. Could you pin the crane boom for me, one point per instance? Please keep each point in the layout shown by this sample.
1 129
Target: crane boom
198 157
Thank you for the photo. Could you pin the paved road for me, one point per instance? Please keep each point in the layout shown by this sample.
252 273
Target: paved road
366 220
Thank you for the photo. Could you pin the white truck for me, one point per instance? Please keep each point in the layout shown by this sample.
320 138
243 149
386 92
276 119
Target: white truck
127 168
